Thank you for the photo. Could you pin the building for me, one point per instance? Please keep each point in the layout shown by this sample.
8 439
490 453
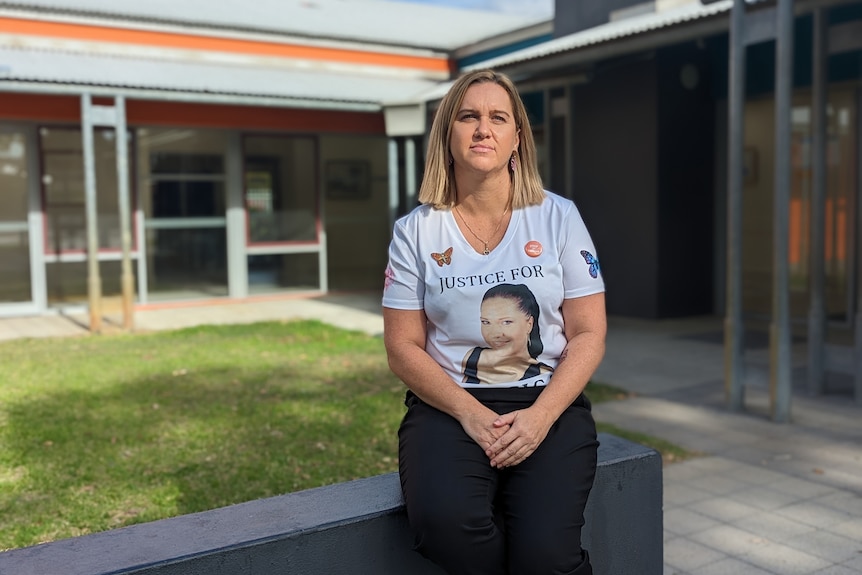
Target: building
714 148
712 145
268 144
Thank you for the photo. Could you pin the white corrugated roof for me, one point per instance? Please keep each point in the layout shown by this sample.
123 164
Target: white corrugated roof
611 31
375 21
325 89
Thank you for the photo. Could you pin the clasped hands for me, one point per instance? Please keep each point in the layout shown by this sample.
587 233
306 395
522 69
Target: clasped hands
510 438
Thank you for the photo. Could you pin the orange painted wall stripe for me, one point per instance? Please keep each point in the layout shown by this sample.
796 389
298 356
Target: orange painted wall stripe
49 108
14 106
208 43
154 113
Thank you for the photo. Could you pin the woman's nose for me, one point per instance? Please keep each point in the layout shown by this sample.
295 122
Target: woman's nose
483 128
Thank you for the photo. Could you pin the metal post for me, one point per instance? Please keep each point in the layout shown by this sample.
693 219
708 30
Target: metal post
779 329
857 324
733 327
410 172
94 281
236 233
126 277
393 182
817 268
569 144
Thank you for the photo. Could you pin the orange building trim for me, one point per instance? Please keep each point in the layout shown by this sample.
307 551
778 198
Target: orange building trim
15 106
88 32
152 113
50 108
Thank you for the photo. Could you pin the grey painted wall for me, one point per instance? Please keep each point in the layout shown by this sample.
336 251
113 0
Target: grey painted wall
349 528
643 156
686 142
572 16
615 171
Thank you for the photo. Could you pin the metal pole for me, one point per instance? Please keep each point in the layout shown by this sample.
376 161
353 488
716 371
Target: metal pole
857 324
733 327
126 276
94 281
393 182
779 329
410 172
817 268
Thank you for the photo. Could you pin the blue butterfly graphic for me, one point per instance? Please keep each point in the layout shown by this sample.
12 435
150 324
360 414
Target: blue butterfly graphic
593 262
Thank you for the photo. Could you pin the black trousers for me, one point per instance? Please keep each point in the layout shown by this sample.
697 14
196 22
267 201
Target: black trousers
473 519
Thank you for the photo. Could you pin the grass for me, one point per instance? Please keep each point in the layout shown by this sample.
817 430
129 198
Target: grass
102 432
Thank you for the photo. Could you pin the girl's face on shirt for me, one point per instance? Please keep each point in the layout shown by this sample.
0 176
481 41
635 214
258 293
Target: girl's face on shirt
504 325
484 133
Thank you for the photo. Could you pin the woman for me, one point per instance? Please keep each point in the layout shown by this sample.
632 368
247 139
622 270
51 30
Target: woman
496 476
510 326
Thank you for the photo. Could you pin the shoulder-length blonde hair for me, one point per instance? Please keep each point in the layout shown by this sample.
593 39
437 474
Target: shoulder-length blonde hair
438 182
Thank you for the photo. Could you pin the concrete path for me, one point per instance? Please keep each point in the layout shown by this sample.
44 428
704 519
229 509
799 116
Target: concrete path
762 498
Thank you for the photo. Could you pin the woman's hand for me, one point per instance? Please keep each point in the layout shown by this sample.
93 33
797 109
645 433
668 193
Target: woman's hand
525 431
483 427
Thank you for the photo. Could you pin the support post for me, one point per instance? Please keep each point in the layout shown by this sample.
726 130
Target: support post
817 268
857 323
126 276
779 330
94 280
733 327
393 182
410 172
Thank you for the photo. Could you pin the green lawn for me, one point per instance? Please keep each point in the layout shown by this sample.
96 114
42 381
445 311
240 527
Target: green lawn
106 431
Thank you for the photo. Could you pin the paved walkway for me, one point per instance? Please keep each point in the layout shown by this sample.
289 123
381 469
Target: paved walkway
764 498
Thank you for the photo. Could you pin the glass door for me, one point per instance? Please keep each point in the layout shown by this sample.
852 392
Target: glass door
63 200
15 270
183 201
758 205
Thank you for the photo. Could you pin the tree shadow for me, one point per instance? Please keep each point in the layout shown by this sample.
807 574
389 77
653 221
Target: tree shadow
194 440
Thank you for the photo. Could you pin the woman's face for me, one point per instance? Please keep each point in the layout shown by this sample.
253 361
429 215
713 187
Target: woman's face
504 325
484 133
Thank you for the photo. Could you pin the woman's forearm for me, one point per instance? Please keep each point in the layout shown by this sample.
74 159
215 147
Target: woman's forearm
424 377
580 359
586 327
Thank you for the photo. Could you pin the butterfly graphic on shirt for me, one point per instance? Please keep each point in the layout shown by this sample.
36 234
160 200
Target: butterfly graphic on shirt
443 259
593 262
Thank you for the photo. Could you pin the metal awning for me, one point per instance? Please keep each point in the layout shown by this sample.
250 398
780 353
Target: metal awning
45 71
612 37
399 24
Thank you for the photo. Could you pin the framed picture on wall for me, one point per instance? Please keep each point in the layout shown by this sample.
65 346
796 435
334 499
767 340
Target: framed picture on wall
348 179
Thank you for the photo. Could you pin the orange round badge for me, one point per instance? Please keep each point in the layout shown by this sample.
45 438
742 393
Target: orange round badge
533 249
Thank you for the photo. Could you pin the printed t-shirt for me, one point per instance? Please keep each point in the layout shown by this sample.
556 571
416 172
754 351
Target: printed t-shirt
493 319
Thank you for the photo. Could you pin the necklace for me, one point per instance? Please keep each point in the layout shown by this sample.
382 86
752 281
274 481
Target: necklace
486 251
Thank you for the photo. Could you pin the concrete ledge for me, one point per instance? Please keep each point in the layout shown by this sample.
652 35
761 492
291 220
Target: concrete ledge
348 528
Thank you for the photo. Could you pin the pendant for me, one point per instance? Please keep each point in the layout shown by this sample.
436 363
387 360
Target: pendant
487 251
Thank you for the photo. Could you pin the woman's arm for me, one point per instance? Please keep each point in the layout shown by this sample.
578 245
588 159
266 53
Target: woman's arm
404 333
585 324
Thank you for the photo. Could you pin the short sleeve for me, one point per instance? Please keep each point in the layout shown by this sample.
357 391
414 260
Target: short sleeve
404 286
582 274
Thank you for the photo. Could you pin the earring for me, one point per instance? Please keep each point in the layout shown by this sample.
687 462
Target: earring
512 163
451 160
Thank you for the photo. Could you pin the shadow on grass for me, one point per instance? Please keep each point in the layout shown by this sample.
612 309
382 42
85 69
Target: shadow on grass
183 441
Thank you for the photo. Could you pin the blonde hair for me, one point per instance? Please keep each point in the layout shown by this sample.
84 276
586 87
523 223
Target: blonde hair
438 182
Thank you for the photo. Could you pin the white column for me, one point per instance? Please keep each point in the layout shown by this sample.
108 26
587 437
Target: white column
237 264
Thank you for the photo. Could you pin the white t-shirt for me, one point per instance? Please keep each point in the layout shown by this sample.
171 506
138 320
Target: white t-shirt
491 338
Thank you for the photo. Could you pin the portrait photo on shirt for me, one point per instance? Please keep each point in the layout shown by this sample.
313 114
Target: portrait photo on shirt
509 318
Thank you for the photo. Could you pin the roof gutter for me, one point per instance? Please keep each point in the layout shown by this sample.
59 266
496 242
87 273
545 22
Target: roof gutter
64 89
613 48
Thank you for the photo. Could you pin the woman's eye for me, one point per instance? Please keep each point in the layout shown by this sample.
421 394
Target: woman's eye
498 119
